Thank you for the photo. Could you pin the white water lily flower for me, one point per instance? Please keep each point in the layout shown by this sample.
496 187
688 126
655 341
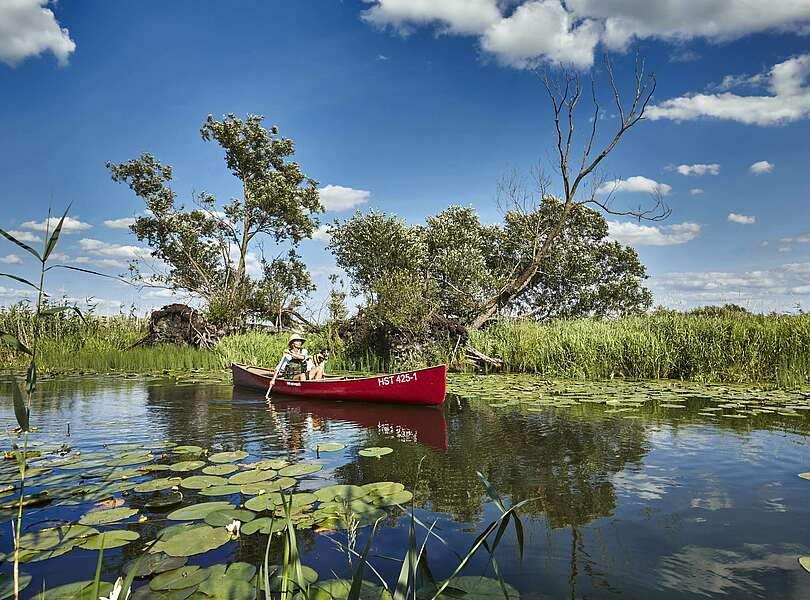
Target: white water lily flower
116 591
234 527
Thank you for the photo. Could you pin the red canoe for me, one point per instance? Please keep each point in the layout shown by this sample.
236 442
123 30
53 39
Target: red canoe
423 387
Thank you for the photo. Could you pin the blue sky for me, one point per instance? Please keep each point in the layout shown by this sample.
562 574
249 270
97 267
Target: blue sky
408 106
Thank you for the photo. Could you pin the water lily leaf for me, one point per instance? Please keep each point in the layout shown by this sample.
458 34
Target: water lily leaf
299 470
264 525
178 579
197 511
340 492
275 500
151 564
309 574
338 589
331 447
272 463
476 588
27 556
186 465
196 540
47 539
154 468
109 539
163 501
229 584
132 458
145 593
79 590
199 482
375 451
252 476
188 450
105 517
804 561
7 584
220 490
383 488
228 457
221 518
220 470
156 485
266 487
805 475
399 498
123 447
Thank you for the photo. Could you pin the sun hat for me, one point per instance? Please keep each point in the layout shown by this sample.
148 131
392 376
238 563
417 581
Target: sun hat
294 337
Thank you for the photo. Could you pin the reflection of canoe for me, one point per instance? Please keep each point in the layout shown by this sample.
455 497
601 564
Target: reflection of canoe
421 424
424 387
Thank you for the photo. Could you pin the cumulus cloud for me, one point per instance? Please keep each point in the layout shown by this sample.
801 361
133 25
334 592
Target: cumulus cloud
636 234
118 251
520 33
802 238
25 236
10 259
741 219
788 101
70 225
322 234
699 169
696 191
636 183
123 223
29 28
338 198
104 263
761 167
6 292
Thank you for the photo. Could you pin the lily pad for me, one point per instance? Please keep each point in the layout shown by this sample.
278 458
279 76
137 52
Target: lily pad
197 511
186 465
47 539
79 590
805 475
228 457
331 447
266 487
164 501
231 583
398 498
156 485
7 584
188 450
220 470
194 540
476 588
178 579
151 564
340 492
338 589
271 463
109 539
105 517
145 593
221 518
383 488
804 561
375 451
199 482
220 490
252 476
309 575
265 525
299 470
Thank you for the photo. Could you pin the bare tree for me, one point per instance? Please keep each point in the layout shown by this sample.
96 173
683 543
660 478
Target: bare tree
582 182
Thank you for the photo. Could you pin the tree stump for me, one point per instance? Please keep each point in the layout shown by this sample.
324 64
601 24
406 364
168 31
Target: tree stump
182 325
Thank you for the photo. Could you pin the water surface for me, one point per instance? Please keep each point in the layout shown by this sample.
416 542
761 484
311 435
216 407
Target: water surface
632 496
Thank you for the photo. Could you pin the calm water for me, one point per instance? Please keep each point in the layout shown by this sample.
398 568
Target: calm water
641 503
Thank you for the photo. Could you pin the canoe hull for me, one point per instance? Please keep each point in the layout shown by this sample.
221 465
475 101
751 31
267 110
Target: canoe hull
422 387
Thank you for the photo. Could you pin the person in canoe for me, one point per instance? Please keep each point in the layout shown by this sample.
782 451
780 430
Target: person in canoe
296 363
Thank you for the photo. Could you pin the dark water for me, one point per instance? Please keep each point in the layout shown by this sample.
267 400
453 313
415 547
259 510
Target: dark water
664 504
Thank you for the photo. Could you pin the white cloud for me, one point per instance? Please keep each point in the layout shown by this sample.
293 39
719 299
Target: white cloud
104 249
789 99
29 28
123 223
696 191
741 219
322 234
337 198
25 236
452 16
760 167
70 225
104 263
10 259
542 30
636 234
14 293
636 183
699 169
784 249
803 238
521 33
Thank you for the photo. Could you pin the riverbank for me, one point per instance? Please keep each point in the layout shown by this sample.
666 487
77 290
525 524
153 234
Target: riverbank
734 348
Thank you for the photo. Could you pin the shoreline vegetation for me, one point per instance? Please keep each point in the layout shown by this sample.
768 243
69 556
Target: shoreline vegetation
712 348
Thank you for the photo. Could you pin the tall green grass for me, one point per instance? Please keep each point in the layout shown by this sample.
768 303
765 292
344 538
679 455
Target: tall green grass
729 348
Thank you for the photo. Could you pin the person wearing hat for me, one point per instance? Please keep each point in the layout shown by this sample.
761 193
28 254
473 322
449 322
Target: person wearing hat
296 364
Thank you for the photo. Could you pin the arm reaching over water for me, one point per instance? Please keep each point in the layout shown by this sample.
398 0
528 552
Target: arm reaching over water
279 368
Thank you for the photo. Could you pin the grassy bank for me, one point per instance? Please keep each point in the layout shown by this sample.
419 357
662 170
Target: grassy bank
729 348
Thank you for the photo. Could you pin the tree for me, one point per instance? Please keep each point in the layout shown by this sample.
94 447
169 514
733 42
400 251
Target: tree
581 182
206 250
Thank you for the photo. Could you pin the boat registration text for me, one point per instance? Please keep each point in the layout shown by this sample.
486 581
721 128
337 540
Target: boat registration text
392 379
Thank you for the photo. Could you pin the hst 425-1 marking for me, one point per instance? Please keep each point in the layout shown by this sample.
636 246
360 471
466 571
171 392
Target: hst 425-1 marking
392 379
